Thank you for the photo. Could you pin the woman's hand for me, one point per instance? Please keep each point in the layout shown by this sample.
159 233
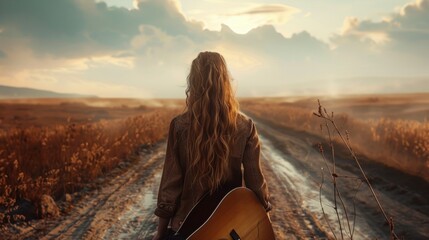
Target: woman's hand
162 229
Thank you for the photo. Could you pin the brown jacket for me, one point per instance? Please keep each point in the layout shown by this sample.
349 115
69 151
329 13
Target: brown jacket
177 195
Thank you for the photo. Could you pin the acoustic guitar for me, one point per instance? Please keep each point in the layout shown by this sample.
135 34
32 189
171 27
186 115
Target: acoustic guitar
233 215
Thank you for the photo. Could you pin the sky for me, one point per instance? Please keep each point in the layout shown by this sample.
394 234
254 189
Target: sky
144 48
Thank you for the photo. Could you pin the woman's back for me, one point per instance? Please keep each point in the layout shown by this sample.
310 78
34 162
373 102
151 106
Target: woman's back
208 145
177 182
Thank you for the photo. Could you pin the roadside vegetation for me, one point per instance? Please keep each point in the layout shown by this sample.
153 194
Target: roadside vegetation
62 158
397 143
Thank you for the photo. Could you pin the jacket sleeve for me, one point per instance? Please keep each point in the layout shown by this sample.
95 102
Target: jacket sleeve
171 184
253 177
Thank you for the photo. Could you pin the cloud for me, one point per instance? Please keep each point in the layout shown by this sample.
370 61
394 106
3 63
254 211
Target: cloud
81 28
258 15
268 9
140 51
406 31
150 37
78 29
396 46
414 15
364 35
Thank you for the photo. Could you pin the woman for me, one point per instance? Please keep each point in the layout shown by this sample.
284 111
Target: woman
207 145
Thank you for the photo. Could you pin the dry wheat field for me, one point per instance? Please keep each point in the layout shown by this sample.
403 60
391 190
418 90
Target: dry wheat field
56 146
393 130
101 161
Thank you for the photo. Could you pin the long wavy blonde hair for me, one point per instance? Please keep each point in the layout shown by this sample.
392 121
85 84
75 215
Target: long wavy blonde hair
213 111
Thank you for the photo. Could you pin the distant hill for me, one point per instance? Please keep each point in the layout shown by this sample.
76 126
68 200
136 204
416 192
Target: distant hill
20 92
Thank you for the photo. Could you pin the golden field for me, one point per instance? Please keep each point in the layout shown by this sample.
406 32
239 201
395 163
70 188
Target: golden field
391 129
56 146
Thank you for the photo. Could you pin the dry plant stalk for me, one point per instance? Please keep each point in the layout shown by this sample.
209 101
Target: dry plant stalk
328 123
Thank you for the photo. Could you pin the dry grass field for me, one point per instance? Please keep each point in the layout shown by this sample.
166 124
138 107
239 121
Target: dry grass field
59 146
23 113
391 129
56 146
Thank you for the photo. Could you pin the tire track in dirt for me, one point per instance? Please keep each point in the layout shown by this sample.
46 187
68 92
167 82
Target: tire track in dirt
137 220
290 219
119 207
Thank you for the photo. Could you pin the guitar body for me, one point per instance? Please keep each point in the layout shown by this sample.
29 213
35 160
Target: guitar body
236 215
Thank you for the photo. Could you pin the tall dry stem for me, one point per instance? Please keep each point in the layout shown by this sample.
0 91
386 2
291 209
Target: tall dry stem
322 113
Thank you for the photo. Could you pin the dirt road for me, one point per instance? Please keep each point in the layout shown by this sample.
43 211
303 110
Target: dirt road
122 207
294 169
